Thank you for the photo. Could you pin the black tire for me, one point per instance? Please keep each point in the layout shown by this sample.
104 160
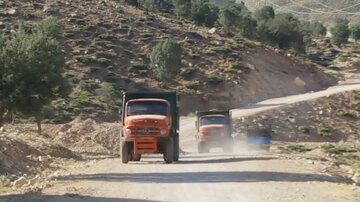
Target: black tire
176 148
136 157
125 152
202 148
169 151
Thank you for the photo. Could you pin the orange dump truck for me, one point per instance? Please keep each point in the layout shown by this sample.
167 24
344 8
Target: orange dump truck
214 129
150 123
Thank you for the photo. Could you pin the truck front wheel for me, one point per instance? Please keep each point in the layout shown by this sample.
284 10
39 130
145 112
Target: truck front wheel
125 152
169 151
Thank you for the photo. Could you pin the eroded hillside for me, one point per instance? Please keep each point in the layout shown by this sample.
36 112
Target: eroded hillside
329 119
105 41
323 10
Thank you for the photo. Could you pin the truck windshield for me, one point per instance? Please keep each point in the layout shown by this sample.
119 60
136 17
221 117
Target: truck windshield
147 107
212 120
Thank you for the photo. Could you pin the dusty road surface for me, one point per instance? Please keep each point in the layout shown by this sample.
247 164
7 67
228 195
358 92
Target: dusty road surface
216 176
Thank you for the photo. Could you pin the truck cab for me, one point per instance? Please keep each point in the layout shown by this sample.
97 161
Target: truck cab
150 124
214 129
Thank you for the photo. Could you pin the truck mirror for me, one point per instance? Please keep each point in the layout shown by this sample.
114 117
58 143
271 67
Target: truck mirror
120 114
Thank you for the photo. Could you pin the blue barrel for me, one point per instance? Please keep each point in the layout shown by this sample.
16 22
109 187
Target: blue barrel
259 139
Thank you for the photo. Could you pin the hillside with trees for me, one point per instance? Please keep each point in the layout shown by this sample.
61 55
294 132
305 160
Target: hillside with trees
325 11
64 66
194 47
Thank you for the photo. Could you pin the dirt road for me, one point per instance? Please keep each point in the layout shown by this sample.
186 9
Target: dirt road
207 177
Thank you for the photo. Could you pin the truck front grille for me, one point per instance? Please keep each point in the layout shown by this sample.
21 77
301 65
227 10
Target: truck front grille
147 131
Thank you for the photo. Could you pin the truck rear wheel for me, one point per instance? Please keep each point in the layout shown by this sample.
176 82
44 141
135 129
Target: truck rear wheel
136 157
202 148
169 151
176 148
125 152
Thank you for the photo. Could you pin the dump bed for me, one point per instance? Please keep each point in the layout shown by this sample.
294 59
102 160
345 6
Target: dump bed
171 97
225 113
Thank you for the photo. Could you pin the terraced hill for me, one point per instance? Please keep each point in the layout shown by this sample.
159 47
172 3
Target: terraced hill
109 42
323 10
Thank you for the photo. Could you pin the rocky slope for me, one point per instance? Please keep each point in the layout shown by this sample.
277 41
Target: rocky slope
326 130
109 42
323 10
332 119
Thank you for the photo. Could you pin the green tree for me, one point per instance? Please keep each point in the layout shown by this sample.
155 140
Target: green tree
236 18
319 30
313 29
41 79
340 32
166 59
204 13
182 7
285 32
263 33
264 14
8 59
355 31
156 5
31 71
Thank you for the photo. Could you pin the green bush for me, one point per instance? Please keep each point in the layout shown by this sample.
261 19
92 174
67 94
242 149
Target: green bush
204 13
88 59
108 95
350 159
323 131
340 32
215 80
355 31
182 7
188 73
88 85
284 30
304 129
130 2
298 148
81 99
194 85
350 113
313 29
355 100
166 59
333 149
236 18
156 5
50 27
264 14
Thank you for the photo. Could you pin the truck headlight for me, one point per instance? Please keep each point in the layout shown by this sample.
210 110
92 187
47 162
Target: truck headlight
163 131
128 131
